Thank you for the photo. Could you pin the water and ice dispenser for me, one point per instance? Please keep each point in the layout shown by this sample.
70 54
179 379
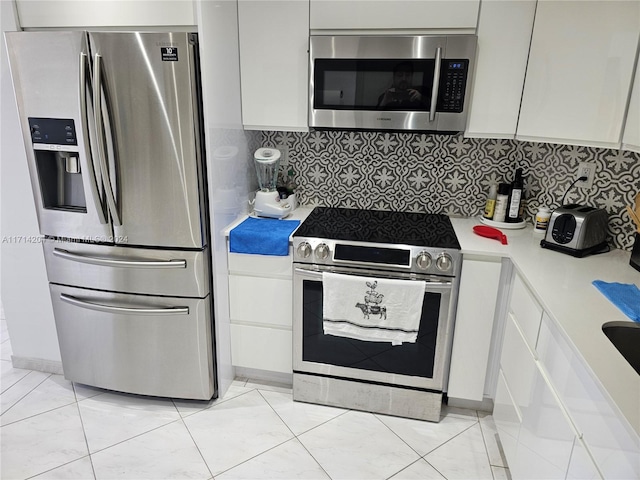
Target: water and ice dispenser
55 146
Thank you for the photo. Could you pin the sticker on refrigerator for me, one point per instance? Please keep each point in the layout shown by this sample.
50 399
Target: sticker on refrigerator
169 54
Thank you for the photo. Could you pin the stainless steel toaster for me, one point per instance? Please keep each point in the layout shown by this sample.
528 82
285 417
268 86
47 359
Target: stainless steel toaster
577 230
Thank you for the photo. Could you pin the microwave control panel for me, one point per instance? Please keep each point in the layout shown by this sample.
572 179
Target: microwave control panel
453 83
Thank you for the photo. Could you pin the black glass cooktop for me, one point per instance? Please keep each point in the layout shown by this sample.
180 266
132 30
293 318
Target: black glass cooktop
418 229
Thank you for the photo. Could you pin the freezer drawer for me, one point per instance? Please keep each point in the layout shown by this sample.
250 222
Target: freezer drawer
177 273
157 346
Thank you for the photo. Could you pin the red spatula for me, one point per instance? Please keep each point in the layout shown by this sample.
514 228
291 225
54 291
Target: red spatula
490 232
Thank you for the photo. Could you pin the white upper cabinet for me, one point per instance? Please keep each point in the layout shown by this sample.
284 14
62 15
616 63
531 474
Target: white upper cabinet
105 13
393 14
504 34
631 139
274 43
579 73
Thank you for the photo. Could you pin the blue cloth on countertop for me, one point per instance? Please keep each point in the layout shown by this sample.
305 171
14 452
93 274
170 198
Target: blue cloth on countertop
624 296
262 236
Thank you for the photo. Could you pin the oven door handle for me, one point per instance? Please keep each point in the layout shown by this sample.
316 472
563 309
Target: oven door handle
429 284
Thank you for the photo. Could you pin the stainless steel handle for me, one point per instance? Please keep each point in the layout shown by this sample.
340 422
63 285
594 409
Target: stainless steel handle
102 152
110 262
318 274
436 85
123 310
84 114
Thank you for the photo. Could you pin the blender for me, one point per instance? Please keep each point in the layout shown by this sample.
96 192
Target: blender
267 201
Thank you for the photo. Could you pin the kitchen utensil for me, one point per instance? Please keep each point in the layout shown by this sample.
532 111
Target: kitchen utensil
577 230
634 217
490 232
267 202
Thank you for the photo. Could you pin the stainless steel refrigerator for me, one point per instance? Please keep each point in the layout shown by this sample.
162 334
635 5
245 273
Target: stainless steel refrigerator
113 132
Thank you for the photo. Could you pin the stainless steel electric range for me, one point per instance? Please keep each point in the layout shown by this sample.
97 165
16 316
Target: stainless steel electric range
406 378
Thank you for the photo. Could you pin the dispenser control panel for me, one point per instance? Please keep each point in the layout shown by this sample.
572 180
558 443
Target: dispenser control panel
53 131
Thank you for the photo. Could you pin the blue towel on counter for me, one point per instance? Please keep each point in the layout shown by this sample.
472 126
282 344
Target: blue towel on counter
624 296
262 236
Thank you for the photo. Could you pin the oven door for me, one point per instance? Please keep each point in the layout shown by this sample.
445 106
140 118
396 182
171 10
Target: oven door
422 364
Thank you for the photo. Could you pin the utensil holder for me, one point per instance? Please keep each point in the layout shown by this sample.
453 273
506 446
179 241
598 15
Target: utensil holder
635 253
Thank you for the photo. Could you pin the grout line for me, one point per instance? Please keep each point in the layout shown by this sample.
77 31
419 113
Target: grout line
84 433
22 398
197 447
62 465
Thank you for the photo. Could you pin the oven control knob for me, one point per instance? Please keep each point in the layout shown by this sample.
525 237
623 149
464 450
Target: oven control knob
423 260
304 250
322 251
444 262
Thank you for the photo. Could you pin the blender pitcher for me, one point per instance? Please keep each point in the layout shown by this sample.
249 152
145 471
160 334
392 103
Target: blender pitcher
267 202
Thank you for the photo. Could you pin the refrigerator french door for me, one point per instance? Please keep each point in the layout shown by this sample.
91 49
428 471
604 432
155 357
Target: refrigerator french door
112 126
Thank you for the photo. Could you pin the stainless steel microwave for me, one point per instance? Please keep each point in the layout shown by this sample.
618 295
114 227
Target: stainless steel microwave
416 83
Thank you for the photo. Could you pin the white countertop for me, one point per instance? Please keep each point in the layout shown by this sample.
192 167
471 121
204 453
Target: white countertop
562 285
299 213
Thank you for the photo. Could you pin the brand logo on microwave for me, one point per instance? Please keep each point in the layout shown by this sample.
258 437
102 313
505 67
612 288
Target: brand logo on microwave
384 119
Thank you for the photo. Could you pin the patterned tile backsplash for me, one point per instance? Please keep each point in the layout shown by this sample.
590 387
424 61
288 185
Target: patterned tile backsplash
452 174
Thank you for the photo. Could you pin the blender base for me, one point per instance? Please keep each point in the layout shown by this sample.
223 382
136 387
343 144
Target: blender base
269 205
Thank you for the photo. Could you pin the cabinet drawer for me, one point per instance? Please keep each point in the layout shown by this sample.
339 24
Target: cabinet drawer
546 435
262 265
517 365
526 311
261 300
507 420
581 466
261 348
614 448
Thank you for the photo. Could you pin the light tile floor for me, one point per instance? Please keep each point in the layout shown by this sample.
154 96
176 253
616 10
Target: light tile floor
51 428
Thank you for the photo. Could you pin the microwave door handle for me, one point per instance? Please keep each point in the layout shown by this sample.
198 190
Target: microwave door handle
436 85
100 128
84 114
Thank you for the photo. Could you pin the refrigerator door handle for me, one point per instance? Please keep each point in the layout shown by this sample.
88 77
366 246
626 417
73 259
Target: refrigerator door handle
102 152
123 310
110 262
84 113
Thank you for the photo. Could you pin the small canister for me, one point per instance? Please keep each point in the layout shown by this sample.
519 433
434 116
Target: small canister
542 220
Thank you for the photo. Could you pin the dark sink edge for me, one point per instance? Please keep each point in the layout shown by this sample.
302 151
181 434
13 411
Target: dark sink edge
628 345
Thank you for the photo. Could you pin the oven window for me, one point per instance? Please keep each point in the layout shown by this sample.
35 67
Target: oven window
346 84
414 359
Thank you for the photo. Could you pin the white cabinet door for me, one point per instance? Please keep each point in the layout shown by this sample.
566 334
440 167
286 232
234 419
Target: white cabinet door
507 419
579 72
581 465
393 14
545 436
504 34
631 138
474 326
612 443
103 13
274 43
526 311
259 348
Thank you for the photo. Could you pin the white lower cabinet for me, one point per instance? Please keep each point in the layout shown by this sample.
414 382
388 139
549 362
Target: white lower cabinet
479 284
260 310
545 436
581 465
612 445
553 417
507 419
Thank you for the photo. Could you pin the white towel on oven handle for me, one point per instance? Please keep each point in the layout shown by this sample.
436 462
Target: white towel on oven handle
372 309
